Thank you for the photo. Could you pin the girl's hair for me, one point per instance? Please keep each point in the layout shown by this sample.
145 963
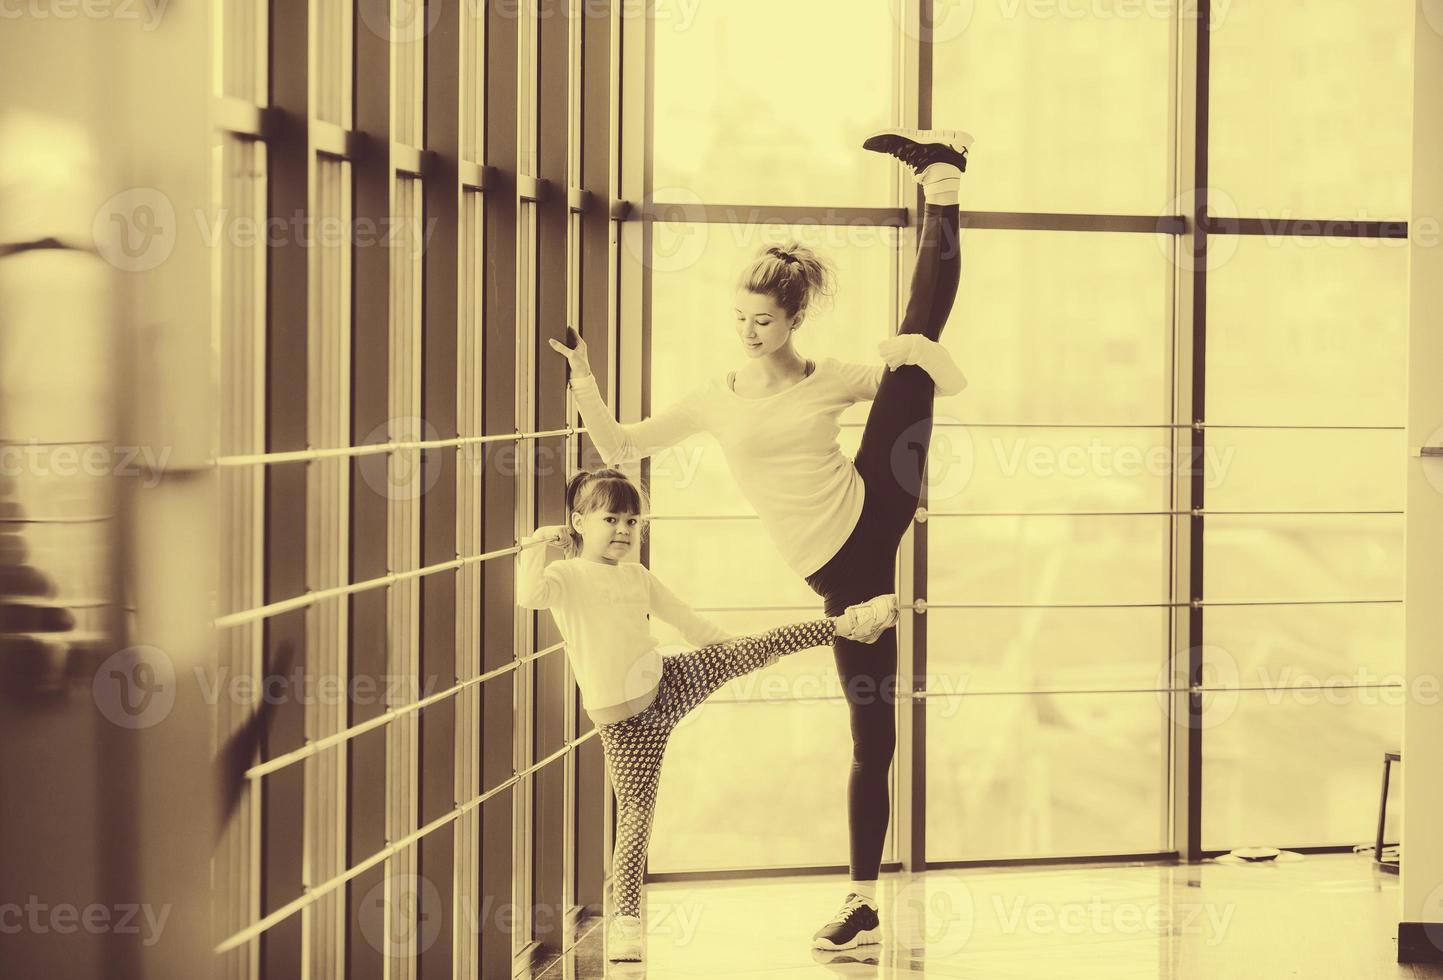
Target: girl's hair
791 274
606 489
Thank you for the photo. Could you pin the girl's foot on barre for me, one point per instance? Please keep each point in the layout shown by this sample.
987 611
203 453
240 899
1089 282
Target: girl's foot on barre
865 621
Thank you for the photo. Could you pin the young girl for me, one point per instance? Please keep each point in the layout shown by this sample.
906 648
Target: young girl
837 522
600 603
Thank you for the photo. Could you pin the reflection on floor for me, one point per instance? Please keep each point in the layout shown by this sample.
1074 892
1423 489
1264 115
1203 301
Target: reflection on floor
1329 916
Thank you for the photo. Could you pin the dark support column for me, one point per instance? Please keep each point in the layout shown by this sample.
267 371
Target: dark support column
283 794
1191 848
598 271
553 681
370 408
440 308
498 480
916 858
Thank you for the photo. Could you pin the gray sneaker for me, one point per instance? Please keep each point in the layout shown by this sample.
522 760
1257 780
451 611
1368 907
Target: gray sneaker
865 621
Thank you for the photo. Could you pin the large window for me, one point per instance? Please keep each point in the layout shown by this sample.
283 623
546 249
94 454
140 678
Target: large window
1177 469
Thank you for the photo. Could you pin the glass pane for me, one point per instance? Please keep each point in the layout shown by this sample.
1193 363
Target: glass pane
1279 646
1068 102
745 114
737 776
981 650
1044 776
1062 326
1312 557
1012 468
333 70
1332 137
1298 469
1297 768
1047 559
527 61
1308 331
725 563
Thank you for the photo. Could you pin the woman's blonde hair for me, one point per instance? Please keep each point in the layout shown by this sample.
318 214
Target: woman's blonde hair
792 274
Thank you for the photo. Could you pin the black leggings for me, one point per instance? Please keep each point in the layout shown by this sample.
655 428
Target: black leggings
892 462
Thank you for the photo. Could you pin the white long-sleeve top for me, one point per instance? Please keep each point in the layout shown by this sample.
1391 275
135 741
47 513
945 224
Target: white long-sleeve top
782 450
601 610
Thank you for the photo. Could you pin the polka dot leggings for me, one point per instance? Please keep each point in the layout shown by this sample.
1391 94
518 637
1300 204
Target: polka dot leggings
634 746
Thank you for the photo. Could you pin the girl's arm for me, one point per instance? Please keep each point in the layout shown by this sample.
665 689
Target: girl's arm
932 357
620 444
538 586
696 630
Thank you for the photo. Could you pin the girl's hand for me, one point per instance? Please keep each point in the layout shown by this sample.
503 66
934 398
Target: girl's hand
553 534
575 355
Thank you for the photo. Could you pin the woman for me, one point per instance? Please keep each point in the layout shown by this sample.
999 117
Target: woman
837 522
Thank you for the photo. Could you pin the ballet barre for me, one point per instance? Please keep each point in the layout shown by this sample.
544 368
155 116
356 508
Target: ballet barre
348 452
313 894
280 762
307 599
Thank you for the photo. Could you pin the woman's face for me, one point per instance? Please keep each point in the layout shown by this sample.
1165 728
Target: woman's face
606 536
763 327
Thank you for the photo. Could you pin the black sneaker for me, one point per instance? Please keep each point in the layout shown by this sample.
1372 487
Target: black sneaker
919 148
855 925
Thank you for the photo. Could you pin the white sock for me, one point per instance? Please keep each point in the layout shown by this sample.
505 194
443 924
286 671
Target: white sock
867 889
933 358
941 182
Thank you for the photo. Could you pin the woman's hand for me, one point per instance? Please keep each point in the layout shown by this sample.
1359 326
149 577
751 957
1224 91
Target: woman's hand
899 349
912 348
575 355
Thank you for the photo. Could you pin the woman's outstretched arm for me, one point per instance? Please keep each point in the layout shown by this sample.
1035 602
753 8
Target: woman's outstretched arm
624 443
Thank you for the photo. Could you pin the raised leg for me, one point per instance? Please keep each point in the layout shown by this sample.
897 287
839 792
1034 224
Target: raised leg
892 457
696 674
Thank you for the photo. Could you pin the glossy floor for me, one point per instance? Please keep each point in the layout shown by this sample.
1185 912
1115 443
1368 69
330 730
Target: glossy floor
1326 916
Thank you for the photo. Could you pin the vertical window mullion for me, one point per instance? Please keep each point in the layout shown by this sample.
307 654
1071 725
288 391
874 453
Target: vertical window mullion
288 396
499 502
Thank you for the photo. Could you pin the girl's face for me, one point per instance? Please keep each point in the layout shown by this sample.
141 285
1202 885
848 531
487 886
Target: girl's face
763 327
605 535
